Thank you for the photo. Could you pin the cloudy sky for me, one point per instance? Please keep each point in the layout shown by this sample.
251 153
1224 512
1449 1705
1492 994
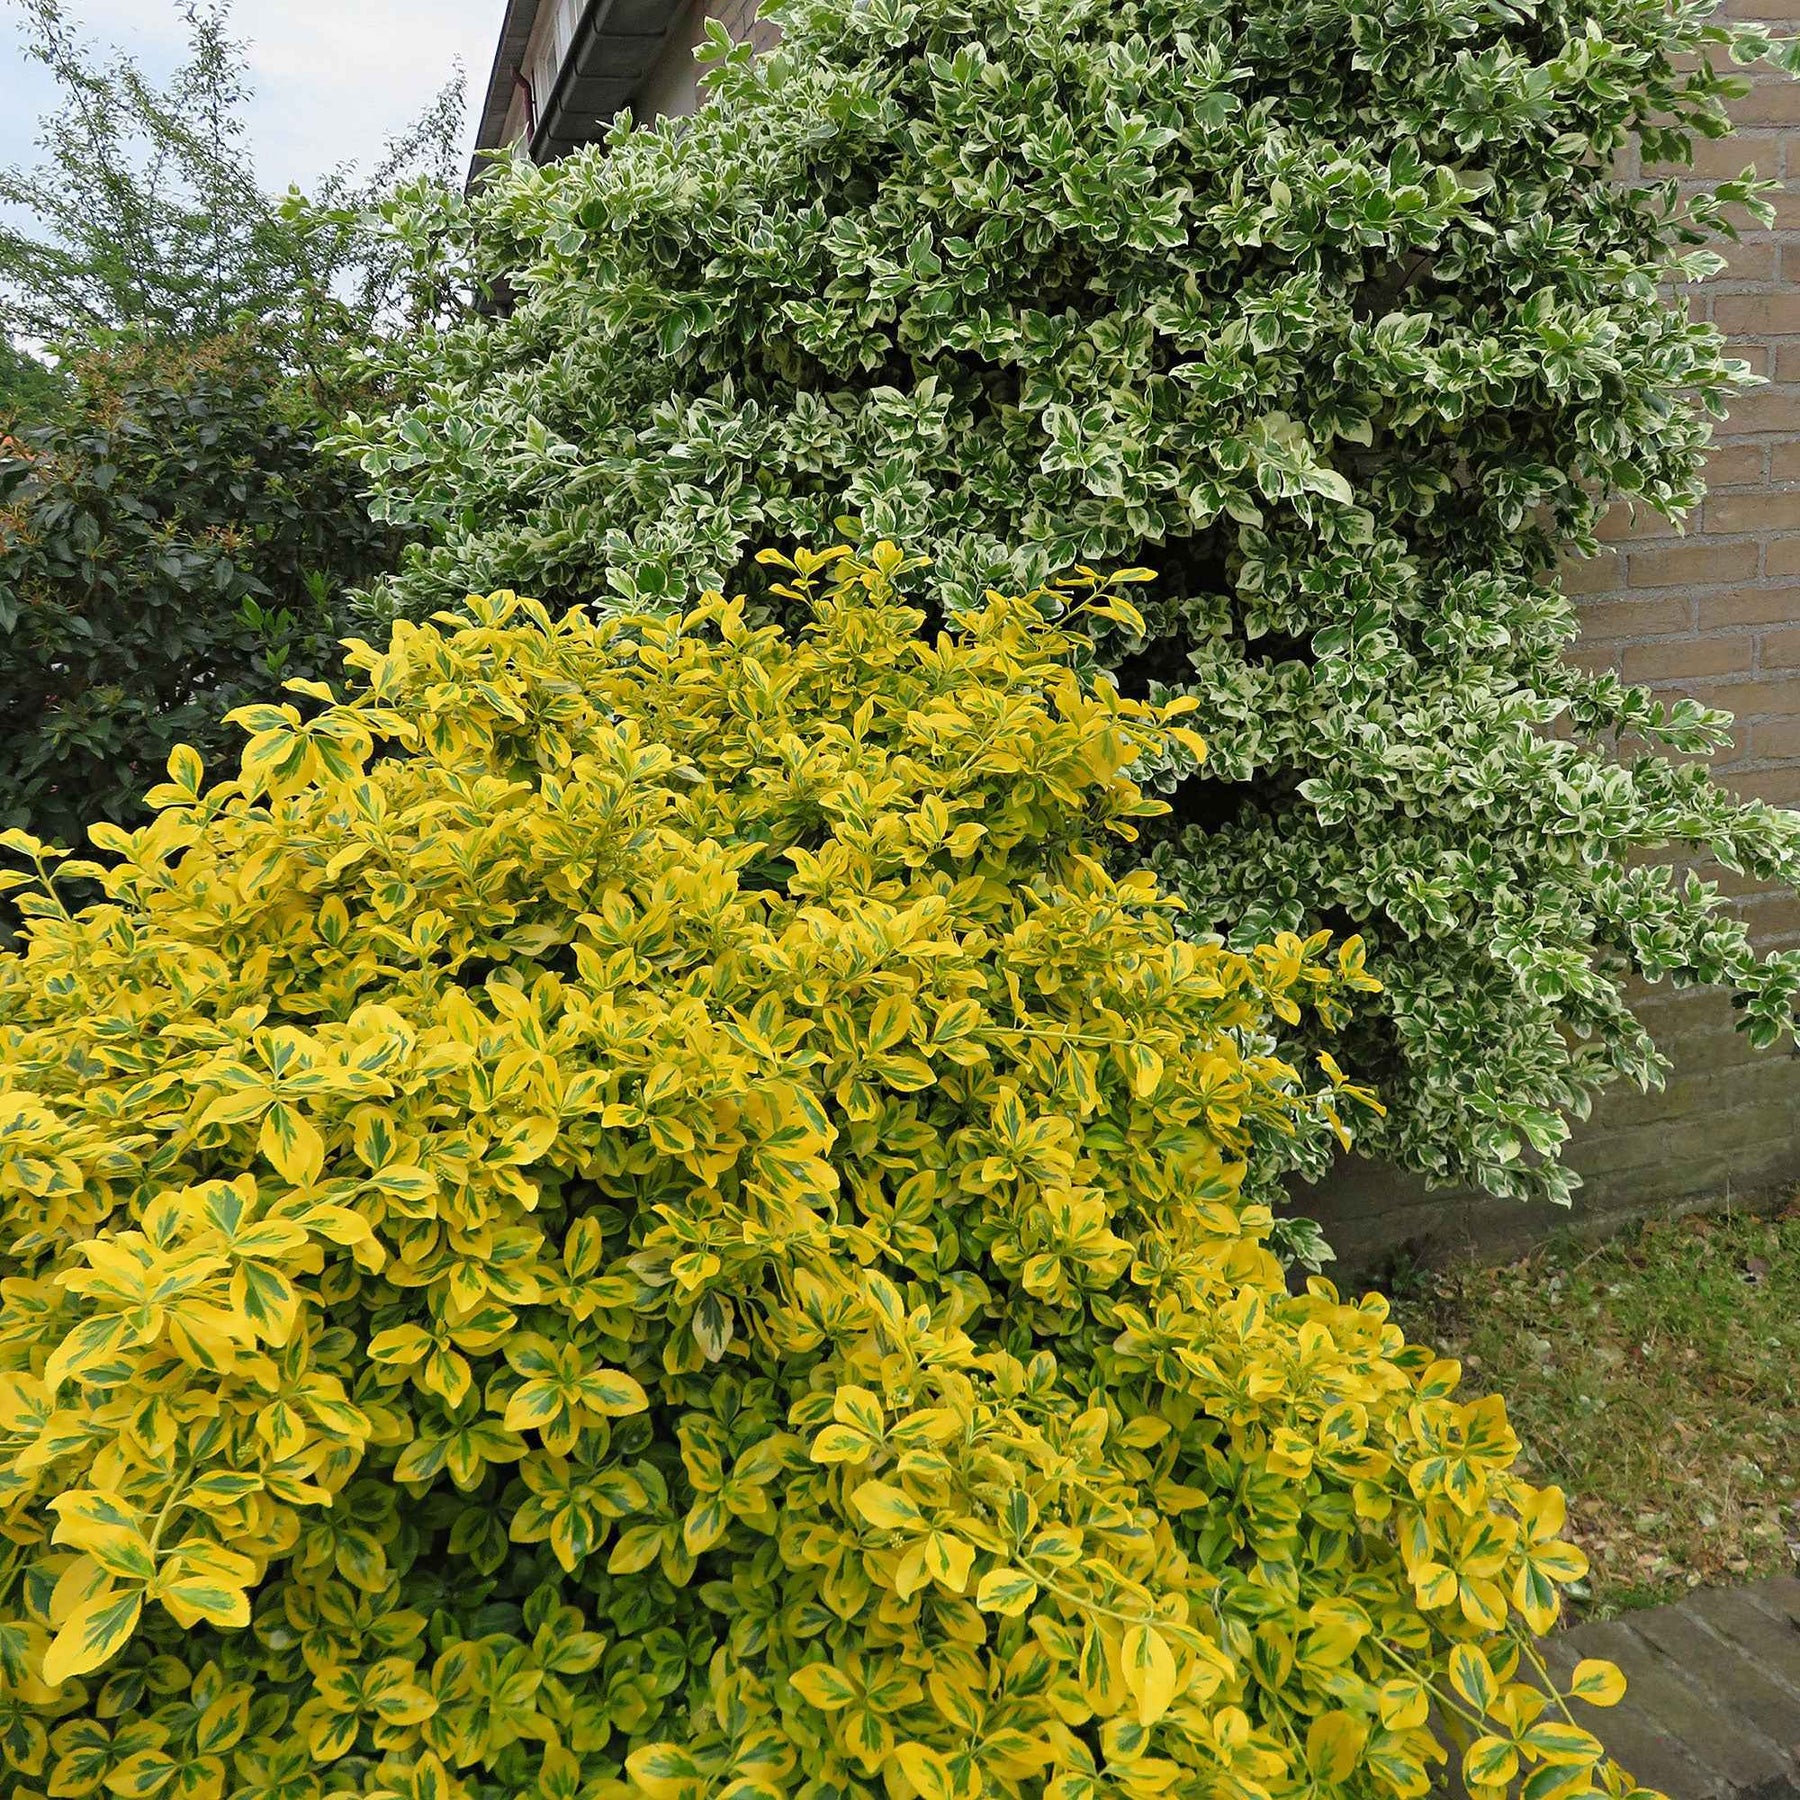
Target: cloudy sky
334 78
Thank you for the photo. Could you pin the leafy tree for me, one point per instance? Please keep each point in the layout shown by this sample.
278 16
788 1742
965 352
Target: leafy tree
146 217
1334 311
174 546
630 1212
31 390
171 542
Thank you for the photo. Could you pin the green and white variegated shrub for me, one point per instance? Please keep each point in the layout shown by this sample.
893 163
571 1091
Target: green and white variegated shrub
1331 310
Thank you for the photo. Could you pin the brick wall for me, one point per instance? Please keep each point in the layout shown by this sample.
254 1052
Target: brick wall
739 18
1714 613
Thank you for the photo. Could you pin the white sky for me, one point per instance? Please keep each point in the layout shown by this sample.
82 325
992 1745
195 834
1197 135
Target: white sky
334 78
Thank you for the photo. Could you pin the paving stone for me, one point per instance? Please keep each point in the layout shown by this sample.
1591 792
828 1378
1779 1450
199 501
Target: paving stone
1630 1734
1779 1596
1712 1708
1655 1761
1724 1745
1773 1643
1725 1670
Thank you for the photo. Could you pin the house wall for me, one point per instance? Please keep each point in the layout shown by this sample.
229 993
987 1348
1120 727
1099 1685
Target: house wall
673 86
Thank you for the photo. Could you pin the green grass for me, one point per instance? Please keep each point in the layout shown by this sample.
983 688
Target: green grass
1656 1380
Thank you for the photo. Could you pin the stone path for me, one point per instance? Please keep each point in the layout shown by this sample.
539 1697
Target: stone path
1713 1707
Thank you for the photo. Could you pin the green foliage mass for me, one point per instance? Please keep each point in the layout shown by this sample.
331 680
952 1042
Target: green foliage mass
1331 310
631 1212
145 215
31 392
174 546
172 542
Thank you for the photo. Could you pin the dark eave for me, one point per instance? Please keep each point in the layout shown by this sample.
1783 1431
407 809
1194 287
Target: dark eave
616 45
515 35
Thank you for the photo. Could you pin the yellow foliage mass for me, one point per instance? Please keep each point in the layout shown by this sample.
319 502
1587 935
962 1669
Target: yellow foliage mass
635 1210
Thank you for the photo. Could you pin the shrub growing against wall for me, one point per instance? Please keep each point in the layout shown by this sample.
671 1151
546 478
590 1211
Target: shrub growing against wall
632 1211
174 546
1332 311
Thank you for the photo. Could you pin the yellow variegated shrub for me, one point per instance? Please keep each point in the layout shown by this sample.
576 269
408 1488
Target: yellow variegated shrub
632 1210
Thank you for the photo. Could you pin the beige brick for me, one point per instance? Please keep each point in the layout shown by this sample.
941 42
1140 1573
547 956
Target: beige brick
1755 699
1681 659
1780 787
1782 557
1625 523
1741 889
1787 361
1772 100
1767 409
1705 1052
1775 740
1779 927
1719 158
1739 465
1750 260
1759 359
1602 574
1770 914
1669 1011
1701 564
1784 461
1593 656
1627 618
1750 606
1781 649
1776 511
